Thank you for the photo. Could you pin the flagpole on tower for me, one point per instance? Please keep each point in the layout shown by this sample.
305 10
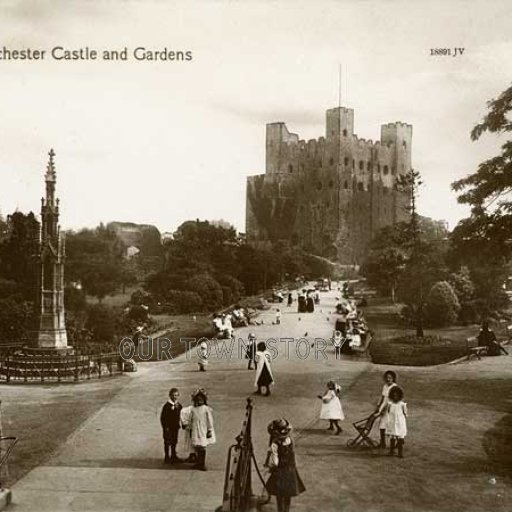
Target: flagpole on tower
339 87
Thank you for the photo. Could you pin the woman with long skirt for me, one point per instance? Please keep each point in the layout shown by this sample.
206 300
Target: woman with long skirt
264 377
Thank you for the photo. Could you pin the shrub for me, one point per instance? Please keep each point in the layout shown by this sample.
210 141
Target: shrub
208 289
442 305
181 302
101 321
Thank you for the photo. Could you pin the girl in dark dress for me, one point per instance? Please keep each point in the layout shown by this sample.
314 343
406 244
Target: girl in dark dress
264 377
284 481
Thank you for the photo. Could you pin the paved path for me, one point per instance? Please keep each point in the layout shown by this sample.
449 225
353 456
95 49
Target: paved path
114 460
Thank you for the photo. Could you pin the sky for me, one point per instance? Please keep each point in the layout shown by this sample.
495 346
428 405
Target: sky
164 142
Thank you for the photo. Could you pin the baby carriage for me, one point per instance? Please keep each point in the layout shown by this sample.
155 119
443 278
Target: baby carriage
364 428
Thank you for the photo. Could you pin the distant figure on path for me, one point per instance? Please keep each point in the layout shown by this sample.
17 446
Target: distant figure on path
301 302
278 316
310 304
264 377
487 338
284 481
202 432
250 352
396 426
290 299
170 419
331 406
203 355
337 341
382 407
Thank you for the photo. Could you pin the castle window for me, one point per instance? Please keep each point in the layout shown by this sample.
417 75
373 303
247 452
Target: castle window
331 161
361 165
331 184
386 169
344 133
353 164
404 144
345 161
369 166
360 186
290 168
345 184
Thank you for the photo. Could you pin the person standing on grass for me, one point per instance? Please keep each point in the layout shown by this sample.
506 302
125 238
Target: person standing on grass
290 299
284 482
382 406
202 433
170 419
278 316
487 338
331 407
396 427
264 377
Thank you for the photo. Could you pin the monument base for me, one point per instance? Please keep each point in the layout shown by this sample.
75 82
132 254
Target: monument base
57 339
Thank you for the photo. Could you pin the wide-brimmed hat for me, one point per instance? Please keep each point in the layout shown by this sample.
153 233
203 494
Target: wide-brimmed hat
279 427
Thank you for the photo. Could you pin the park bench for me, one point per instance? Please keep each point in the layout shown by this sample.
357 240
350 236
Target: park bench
472 348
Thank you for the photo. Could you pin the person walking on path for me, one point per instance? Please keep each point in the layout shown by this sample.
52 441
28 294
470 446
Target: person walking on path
337 341
396 426
170 419
331 407
264 377
284 481
278 316
382 406
202 433
290 299
202 352
250 352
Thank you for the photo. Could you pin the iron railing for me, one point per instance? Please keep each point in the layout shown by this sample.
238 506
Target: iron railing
237 482
28 365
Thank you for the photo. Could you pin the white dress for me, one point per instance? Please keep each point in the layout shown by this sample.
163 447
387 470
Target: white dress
397 423
201 421
383 409
331 407
185 414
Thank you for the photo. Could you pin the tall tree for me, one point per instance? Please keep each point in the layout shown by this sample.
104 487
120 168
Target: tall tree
488 190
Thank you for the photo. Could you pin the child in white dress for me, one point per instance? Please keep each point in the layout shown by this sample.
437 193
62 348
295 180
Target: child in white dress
331 406
382 406
396 426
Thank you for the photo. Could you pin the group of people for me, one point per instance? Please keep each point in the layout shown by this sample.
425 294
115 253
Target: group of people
197 422
350 329
306 301
390 412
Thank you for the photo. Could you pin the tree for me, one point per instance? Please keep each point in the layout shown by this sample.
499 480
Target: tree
442 305
488 189
483 241
94 258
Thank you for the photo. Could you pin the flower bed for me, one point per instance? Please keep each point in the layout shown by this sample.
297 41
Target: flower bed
412 351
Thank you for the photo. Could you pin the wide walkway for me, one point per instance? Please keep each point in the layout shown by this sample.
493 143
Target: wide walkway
115 460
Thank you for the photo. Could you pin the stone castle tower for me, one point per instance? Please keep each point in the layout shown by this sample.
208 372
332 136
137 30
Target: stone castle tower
329 195
50 321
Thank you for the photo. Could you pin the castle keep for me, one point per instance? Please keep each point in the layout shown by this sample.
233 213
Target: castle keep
329 195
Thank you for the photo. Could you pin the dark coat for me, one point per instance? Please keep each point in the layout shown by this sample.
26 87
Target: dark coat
170 419
284 479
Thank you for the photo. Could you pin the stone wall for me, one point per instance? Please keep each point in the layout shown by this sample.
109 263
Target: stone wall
329 195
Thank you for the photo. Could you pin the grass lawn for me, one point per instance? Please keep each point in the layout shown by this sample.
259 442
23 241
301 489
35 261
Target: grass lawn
386 348
42 417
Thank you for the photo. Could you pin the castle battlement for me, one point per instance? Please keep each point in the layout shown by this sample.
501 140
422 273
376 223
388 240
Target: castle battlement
350 181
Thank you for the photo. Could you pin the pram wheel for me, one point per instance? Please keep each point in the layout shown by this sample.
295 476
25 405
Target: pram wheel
351 443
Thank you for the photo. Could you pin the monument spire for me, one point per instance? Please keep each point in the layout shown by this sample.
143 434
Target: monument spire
51 329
